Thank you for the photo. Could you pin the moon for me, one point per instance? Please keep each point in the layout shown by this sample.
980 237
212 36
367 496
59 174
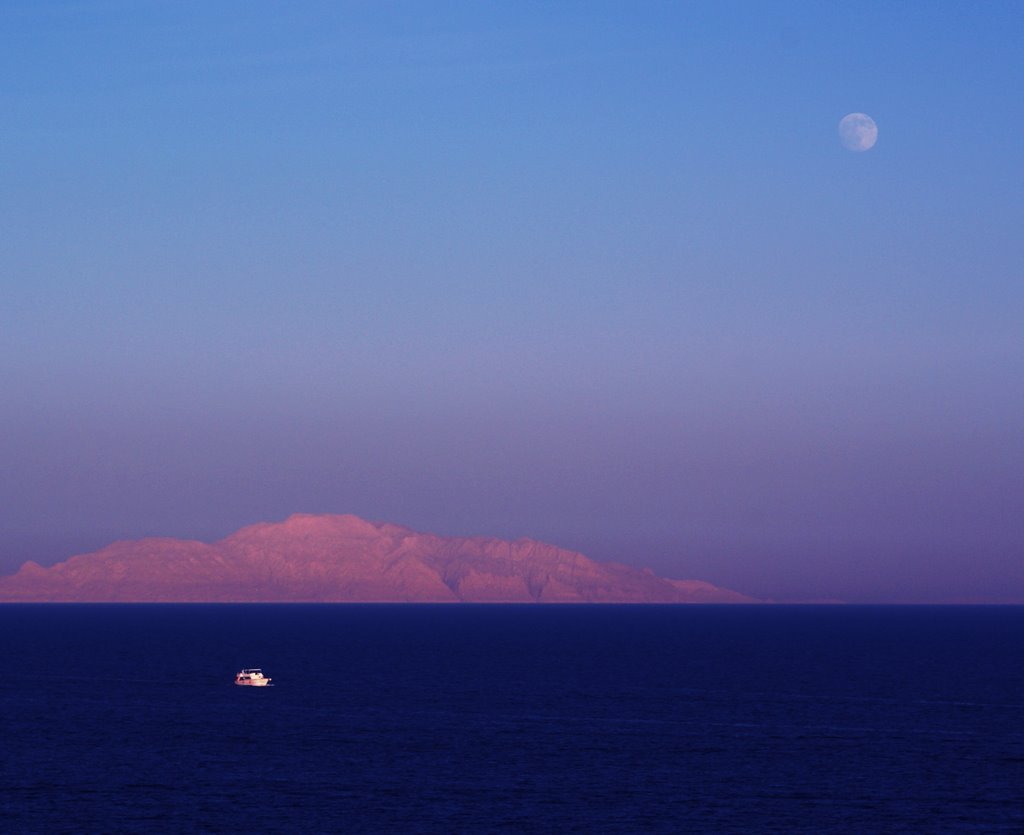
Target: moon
858 132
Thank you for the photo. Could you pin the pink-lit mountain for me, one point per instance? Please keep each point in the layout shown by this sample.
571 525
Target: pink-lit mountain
346 559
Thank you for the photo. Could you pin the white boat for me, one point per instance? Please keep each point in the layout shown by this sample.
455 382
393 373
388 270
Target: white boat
252 677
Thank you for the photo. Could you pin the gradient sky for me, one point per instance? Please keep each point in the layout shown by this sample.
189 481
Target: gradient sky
596 273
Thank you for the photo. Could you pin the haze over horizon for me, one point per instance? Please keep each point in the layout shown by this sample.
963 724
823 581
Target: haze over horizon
597 274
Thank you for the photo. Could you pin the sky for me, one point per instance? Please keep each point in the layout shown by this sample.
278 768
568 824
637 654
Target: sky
597 273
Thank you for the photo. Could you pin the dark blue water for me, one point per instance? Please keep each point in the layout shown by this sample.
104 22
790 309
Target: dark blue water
462 718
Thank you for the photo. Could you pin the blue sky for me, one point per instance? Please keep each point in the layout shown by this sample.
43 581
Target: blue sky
597 273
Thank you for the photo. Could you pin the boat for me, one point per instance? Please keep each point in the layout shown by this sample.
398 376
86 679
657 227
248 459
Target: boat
253 677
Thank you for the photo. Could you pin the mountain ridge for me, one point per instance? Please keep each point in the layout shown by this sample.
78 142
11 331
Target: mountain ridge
346 559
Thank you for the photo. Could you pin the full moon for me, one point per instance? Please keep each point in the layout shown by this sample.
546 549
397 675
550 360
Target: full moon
858 132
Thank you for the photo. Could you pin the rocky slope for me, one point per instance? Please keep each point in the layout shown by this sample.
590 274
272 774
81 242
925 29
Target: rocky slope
346 559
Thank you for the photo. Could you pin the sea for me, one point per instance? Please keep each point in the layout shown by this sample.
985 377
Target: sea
461 718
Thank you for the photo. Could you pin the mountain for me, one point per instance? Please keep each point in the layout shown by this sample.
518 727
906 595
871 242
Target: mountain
332 558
